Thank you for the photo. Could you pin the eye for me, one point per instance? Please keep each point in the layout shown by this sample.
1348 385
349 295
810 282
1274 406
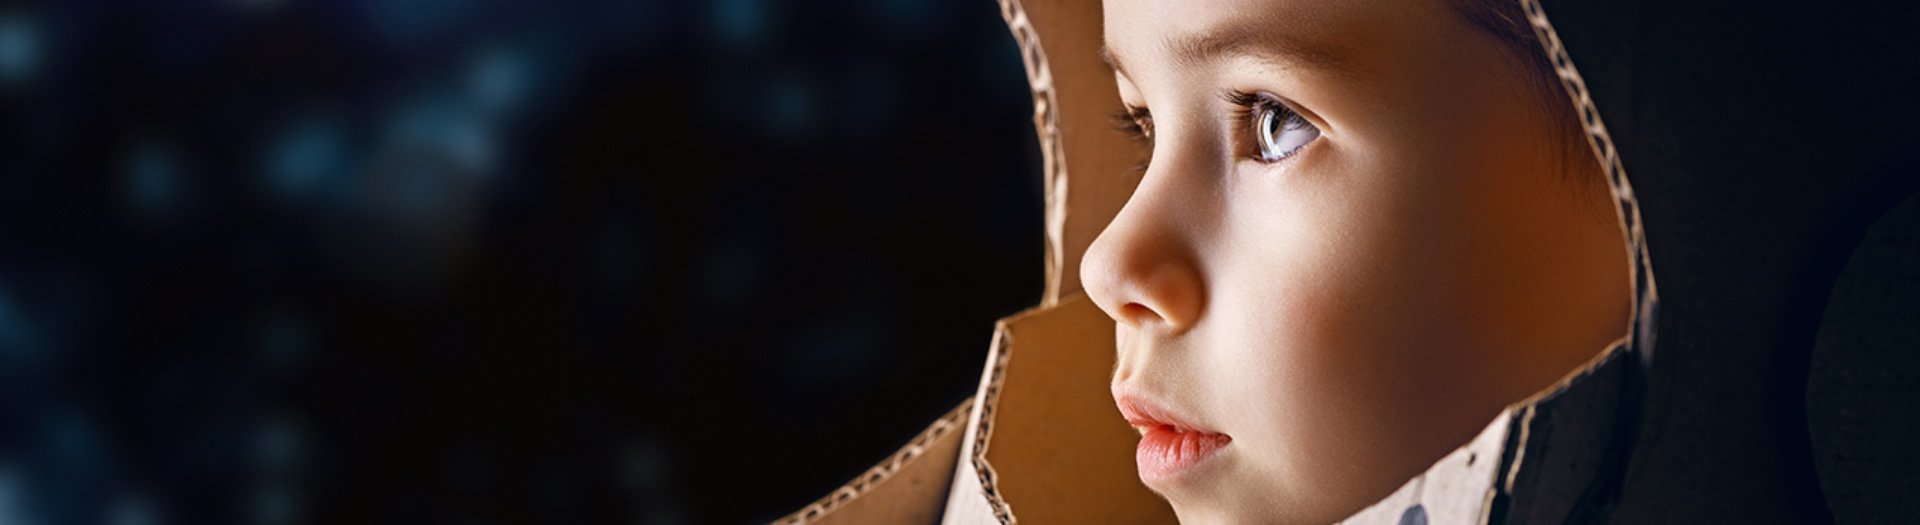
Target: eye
1277 132
1134 122
1280 132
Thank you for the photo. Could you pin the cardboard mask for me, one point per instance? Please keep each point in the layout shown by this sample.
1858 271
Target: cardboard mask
1712 427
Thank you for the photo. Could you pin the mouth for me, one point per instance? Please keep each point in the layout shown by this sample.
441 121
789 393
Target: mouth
1169 447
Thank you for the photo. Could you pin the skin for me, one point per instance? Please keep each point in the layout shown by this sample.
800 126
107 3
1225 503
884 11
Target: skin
1352 313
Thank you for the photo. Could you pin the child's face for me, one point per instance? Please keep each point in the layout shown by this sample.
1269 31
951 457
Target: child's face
1355 243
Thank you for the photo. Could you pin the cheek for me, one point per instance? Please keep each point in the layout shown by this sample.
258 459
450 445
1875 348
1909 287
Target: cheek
1323 345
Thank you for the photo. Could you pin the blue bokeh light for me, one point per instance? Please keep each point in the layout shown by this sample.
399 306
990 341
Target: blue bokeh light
440 126
21 47
309 161
416 22
19 340
739 22
153 181
13 497
790 109
500 80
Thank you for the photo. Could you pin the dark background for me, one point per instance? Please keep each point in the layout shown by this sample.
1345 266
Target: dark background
490 261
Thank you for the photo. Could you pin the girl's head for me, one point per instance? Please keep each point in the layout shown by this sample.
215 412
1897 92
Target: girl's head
1365 228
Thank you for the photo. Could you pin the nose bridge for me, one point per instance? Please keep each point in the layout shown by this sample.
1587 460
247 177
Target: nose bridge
1143 268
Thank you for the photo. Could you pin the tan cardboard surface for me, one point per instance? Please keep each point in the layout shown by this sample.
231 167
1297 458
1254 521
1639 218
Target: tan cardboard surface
1048 445
1074 99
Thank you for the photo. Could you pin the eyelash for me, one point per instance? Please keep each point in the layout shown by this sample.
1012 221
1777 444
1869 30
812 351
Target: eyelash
1137 123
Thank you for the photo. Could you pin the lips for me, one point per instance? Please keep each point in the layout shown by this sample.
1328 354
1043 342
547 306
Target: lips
1169 447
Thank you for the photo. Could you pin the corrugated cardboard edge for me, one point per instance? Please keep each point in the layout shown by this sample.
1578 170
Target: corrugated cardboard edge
1563 442
1457 489
1556 448
1570 443
1047 443
1065 452
1074 98
974 491
1047 126
1645 292
898 482
1541 442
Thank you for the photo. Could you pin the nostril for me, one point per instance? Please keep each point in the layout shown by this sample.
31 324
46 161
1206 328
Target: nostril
1136 313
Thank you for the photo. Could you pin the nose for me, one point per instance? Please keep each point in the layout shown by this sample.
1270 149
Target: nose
1141 270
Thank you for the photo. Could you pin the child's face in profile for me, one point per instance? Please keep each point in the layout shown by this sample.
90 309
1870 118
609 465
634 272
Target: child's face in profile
1360 236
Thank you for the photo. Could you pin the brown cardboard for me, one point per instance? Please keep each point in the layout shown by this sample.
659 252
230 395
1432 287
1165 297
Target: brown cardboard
1042 440
1074 98
1045 443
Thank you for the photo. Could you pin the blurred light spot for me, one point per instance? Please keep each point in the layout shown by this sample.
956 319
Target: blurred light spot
277 448
499 80
70 467
423 189
790 107
275 504
132 509
739 22
13 508
19 340
153 181
412 22
71 443
286 340
437 126
309 161
21 47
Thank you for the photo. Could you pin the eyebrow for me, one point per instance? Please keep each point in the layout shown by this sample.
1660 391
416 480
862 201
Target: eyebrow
1246 40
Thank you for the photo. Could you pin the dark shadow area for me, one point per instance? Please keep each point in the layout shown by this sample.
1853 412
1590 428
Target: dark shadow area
593 261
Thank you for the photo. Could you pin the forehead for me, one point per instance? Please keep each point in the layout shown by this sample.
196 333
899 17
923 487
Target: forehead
1316 34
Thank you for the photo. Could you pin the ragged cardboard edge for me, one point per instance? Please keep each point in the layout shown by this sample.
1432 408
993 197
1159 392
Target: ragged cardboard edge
1565 443
1050 455
980 426
1476 482
1456 489
1640 265
884 471
1523 420
1047 126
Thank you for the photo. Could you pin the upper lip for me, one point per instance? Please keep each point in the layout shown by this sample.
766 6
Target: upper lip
1145 414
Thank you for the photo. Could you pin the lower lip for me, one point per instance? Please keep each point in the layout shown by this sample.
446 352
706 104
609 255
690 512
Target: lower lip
1165 454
